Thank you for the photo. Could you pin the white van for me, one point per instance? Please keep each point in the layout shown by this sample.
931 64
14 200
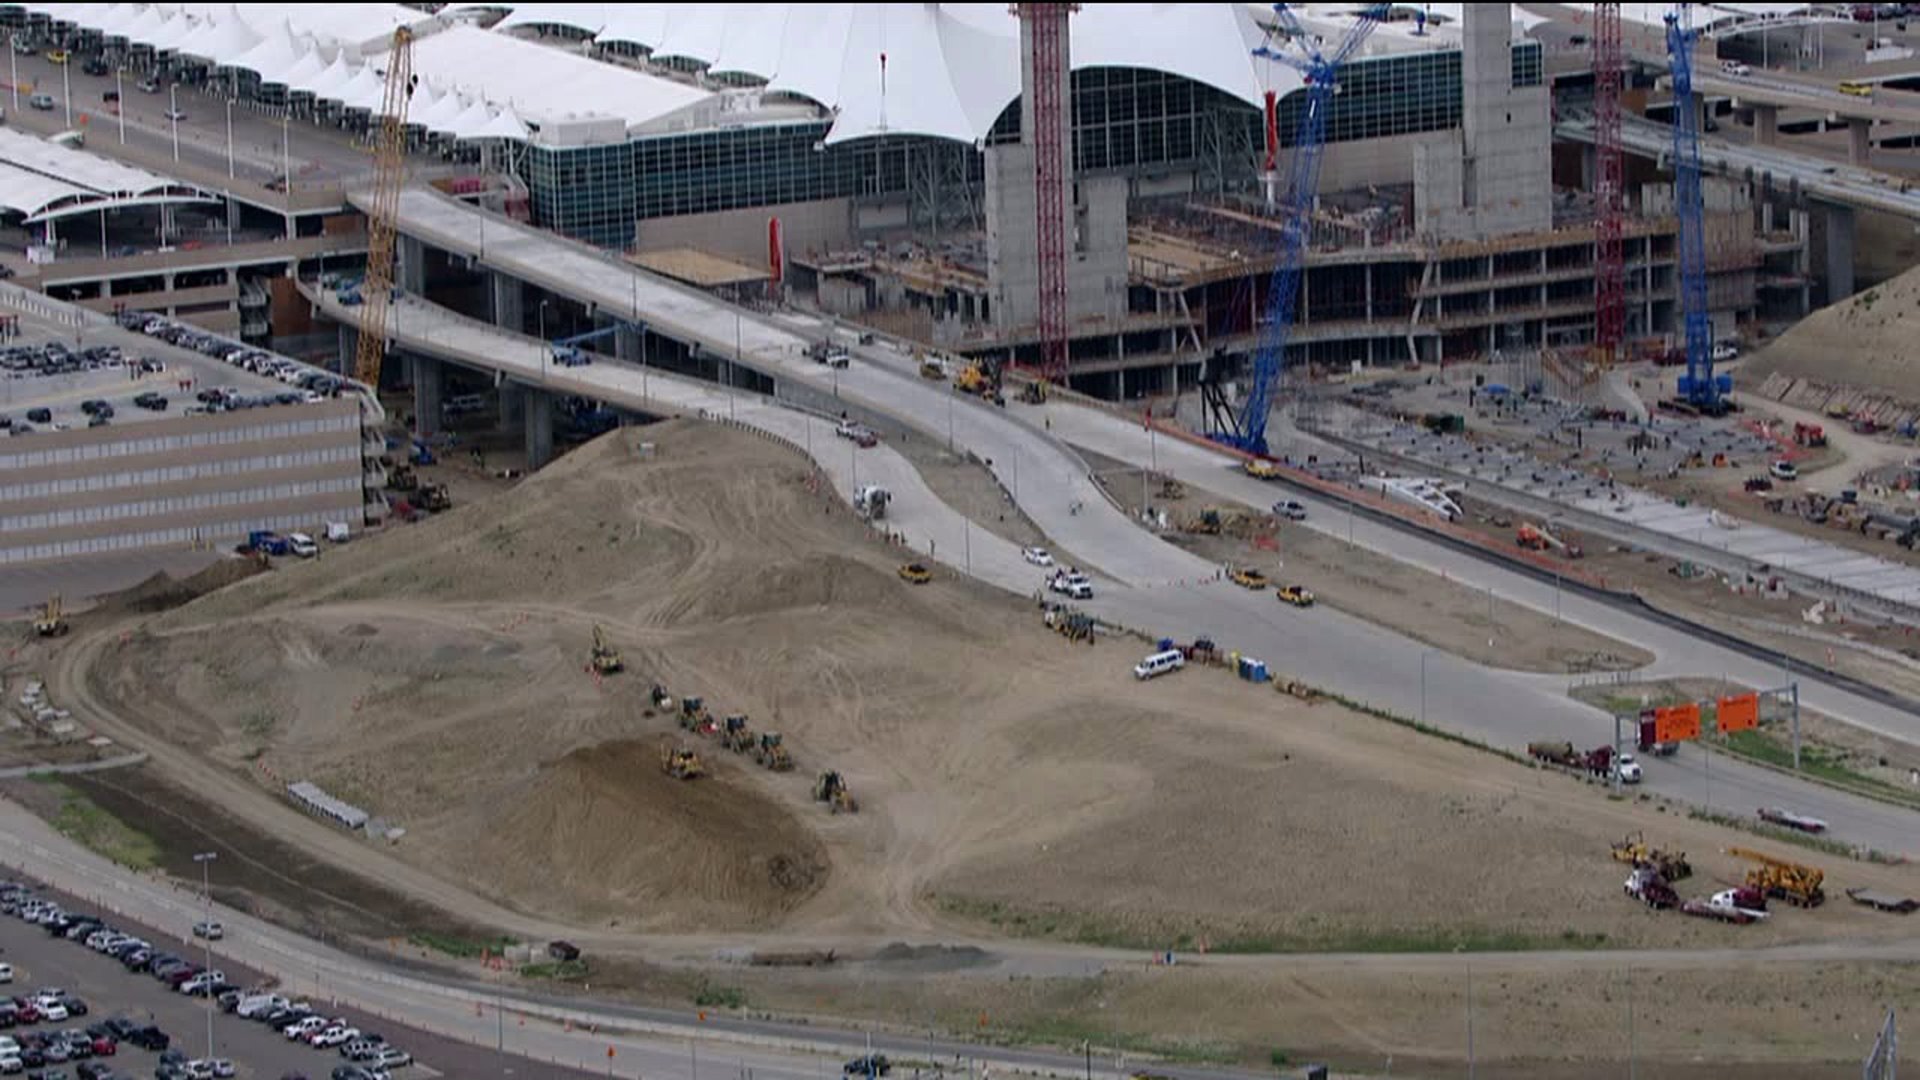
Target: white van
1159 664
302 545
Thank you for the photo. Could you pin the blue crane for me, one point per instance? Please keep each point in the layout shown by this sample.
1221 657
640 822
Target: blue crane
566 352
1699 388
1247 429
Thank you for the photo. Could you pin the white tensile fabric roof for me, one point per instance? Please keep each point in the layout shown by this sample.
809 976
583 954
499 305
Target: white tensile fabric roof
43 179
949 69
199 30
544 83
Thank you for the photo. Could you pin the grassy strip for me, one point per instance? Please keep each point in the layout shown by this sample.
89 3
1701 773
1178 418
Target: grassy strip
1081 928
719 997
460 947
79 819
1072 1034
1817 763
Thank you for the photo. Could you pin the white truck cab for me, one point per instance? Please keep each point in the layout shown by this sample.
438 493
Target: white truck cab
302 545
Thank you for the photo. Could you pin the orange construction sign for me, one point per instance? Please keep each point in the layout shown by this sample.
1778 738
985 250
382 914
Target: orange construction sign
1740 712
1677 723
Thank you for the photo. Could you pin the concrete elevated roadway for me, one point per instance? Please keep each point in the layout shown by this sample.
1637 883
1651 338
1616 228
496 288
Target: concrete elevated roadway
1149 584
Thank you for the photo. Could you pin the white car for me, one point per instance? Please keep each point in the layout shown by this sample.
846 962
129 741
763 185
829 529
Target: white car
176 115
223 1068
1038 556
1725 351
393 1058
1735 68
11 1063
52 1010
6 973
1784 470
1629 769
1291 510
847 429
211 929
333 1036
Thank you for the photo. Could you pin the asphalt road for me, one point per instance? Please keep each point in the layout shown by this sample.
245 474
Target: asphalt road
1167 590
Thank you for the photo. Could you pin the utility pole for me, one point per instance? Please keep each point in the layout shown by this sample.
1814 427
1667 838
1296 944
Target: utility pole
205 859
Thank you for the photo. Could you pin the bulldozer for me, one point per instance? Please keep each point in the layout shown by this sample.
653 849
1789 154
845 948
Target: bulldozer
770 752
52 620
606 658
1635 851
831 789
679 762
1796 884
735 734
694 715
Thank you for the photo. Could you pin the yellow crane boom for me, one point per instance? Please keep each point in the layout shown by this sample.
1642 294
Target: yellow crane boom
389 176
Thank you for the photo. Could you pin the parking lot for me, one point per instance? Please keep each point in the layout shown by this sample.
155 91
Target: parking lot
110 991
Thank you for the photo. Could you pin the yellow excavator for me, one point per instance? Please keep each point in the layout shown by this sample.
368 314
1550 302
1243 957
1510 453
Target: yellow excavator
606 658
52 620
1796 884
771 753
679 762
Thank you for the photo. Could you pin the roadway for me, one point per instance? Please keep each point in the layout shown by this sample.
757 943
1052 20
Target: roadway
1147 584
1850 185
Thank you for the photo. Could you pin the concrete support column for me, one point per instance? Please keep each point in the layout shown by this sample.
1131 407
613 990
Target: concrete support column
428 378
626 344
1859 141
509 304
1589 167
349 345
539 423
1369 275
513 405
1838 226
410 265
1766 124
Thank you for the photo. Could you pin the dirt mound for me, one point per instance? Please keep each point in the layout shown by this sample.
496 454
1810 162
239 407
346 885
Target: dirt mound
605 822
163 591
1864 342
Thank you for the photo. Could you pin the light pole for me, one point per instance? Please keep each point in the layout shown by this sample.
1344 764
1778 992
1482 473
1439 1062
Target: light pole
66 88
229 138
205 859
13 58
735 366
543 342
120 100
1423 685
173 118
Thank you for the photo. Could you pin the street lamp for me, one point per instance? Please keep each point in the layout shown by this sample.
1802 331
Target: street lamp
13 58
120 99
173 117
543 342
66 88
229 139
205 859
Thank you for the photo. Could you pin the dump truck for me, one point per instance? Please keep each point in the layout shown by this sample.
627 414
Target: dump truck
52 620
772 753
606 659
831 788
1647 886
1793 882
680 762
735 734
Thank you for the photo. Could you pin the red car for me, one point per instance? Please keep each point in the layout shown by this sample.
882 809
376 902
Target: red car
104 1046
28 1012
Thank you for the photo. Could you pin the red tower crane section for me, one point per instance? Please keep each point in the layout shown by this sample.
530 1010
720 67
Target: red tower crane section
1609 279
1044 26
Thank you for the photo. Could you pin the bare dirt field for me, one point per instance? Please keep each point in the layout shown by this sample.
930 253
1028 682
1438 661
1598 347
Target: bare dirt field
1382 590
1864 341
1012 785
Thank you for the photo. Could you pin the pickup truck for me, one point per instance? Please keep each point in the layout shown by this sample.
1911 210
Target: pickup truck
270 542
1071 583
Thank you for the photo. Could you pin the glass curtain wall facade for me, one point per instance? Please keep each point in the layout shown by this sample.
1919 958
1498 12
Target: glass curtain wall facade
1123 119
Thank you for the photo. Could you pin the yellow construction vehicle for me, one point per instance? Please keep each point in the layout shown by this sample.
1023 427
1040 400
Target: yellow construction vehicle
606 659
1249 579
1297 595
1206 523
914 573
1796 884
974 378
770 752
1034 392
831 788
735 734
694 715
679 762
931 367
52 620
1261 469
1635 851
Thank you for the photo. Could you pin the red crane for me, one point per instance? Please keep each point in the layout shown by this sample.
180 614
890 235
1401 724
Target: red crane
1609 278
1045 27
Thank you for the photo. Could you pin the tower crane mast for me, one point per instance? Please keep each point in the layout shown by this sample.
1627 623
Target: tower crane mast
389 176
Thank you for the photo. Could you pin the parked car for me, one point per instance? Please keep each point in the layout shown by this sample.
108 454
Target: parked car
209 929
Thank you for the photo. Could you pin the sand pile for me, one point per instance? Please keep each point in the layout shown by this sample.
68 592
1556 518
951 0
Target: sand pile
1860 355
